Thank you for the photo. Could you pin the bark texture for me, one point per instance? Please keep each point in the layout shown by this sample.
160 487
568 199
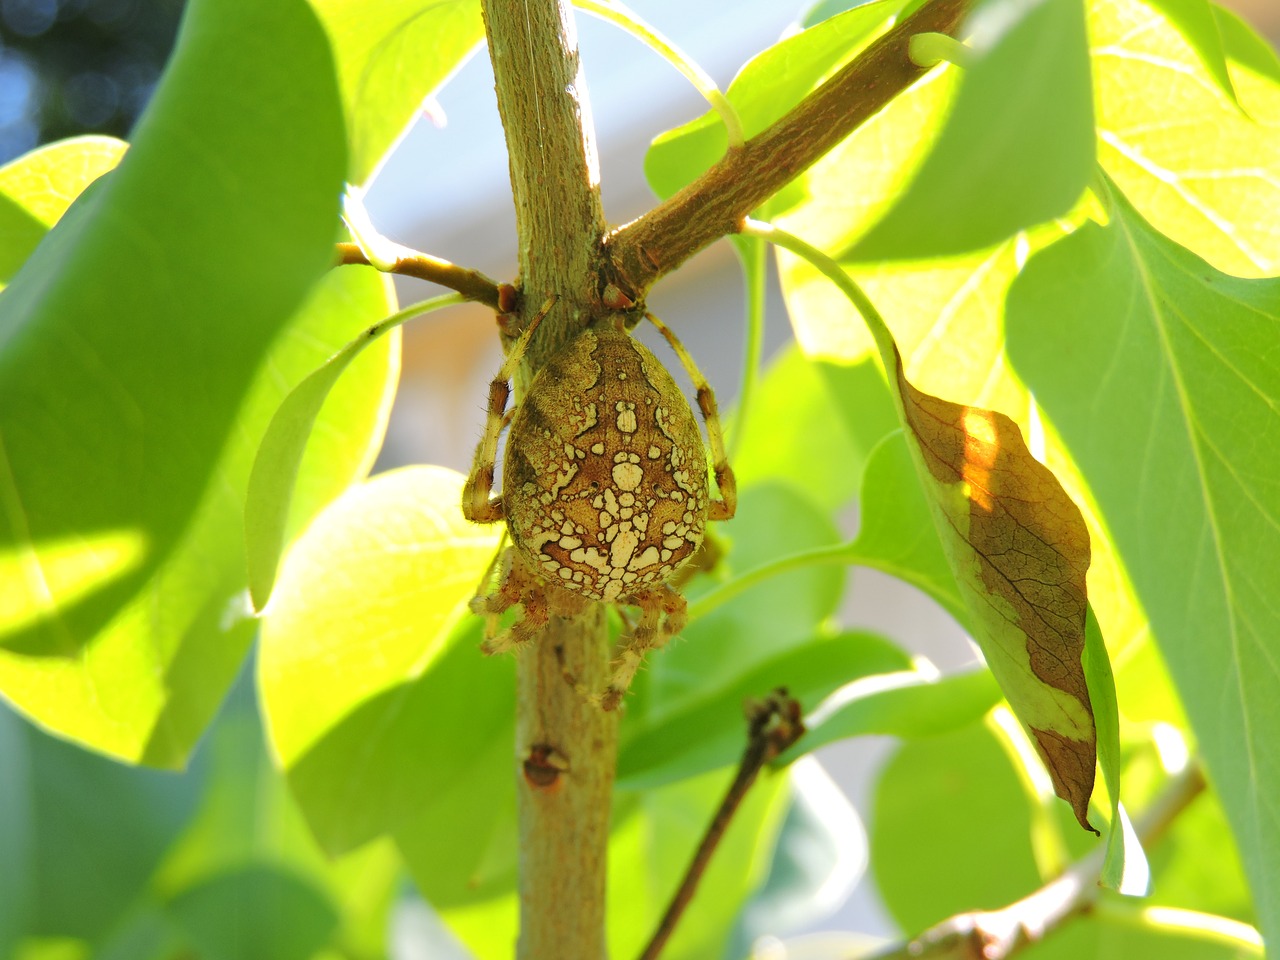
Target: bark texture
566 749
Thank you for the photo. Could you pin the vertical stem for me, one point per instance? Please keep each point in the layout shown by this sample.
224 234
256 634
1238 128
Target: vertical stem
567 747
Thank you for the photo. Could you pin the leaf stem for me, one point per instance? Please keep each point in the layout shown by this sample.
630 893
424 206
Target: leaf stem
930 49
626 18
755 264
472 284
773 726
838 553
837 275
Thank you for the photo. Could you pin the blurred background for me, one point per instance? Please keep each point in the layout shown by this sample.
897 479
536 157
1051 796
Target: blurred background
75 66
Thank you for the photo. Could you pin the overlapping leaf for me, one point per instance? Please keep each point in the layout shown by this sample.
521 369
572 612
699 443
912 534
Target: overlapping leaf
1017 148
1205 172
1161 375
766 88
390 56
131 404
37 188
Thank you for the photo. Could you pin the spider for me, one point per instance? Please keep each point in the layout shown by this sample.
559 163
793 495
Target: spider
604 489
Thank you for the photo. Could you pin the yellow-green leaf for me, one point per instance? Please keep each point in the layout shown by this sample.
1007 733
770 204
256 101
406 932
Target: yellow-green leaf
357 638
1204 173
37 188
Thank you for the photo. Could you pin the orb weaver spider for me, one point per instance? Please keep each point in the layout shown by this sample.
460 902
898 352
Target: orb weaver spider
604 489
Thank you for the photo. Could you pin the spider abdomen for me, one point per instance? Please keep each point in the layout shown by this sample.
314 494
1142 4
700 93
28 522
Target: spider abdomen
605 480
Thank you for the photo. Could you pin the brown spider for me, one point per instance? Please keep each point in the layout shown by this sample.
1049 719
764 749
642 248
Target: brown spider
604 489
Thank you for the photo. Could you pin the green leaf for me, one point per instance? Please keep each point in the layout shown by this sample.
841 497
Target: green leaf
257 913
391 55
950 829
97 831
1250 52
359 656
768 85
1124 868
1204 172
908 705
37 188
710 732
461 846
279 459
17 847
1018 147
896 533
844 410
120 453
247 818
1197 21
1119 318
146 933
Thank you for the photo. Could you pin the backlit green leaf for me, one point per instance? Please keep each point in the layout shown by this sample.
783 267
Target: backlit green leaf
279 458
133 385
908 704
665 751
1018 146
896 533
257 913
391 55
1125 867
1201 170
845 410
767 87
950 829
359 656
37 188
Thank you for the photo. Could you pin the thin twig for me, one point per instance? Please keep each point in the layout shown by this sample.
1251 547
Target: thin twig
773 725
999 934
711 207
472 284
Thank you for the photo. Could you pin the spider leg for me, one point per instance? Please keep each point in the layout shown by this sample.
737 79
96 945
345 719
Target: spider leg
477 505
727 505
663 614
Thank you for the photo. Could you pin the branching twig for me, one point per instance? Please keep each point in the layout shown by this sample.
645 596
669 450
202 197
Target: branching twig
998 934
713 205
772 727
472 284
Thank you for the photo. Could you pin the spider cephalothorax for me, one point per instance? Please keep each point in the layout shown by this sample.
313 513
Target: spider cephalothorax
604 488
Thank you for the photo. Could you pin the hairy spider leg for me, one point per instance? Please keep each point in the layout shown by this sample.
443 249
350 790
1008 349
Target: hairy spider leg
663 614
727 505
477 504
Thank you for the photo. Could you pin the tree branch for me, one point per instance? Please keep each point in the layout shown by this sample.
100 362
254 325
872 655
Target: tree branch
566 746
472 284
712 206
999 934
773 725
